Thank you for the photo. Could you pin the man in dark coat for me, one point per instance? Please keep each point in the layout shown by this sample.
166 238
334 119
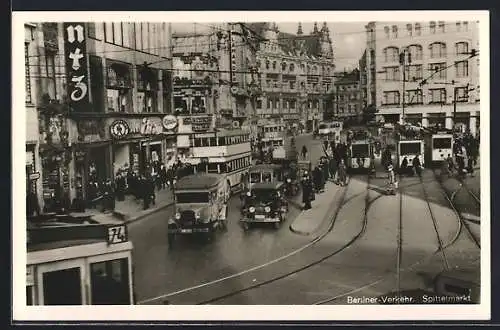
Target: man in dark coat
417 166
163 176
307 191
120 187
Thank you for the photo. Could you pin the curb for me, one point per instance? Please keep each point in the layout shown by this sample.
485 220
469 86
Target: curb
139 217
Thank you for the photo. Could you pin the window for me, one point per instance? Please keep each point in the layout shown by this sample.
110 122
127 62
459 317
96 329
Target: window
292 84
194 197
274 65
465 26
27 73
441 26
269 104
292 67
409 29
292 104
391 97
418 29
387 32
283 66
414 96
462 94
459 26
438 50
110 282
118 36
462 69
109 33
394 31
438 95
438 67
391 54
50 69
259 104
138 36
416 52
432 27
413 72
461 48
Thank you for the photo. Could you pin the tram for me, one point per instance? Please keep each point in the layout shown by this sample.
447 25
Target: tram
360 155
226 152
438 145
409 144
330 130
84 264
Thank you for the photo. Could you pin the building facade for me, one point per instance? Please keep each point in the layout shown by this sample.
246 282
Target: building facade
295 73
441 72
348 99
103 96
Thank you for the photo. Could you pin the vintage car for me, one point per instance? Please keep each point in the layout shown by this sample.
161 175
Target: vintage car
200 205
266 204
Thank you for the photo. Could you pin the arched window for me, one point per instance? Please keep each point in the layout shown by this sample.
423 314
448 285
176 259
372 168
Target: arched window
302 67
416 52
461 48
268 64
438 49
274 65
292 67
283 66
391 54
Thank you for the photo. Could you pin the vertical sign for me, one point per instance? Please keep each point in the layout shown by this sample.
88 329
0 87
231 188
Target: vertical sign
76 66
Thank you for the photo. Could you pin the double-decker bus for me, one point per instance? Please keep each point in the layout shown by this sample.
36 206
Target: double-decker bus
226 152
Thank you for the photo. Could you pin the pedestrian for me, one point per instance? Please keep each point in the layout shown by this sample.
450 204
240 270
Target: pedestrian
342 173
163 176
404 166
120 186
450 165
392 184
145 194
325 144
417 166
306 191
333 169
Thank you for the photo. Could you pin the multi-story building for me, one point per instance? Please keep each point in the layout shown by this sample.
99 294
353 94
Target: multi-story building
347 95
363 81
441 74
102 93
295 73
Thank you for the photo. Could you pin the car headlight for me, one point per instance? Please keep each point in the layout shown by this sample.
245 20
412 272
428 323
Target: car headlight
249 194
251 209
267 209
177 215
197 215
288 180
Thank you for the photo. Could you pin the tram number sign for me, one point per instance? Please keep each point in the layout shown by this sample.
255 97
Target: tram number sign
117 234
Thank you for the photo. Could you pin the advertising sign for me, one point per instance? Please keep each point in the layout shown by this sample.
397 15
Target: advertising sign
76 66
169 122
198 124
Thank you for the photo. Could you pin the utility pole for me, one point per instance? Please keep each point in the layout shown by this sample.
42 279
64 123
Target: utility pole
402 61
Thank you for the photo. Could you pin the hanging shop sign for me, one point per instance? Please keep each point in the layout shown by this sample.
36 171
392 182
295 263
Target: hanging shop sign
169 122
119 129
76 66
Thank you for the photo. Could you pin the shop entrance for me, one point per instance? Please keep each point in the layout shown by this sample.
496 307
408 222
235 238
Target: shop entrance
97 169
154 158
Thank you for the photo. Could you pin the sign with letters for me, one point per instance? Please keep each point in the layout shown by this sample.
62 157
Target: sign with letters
117 234
76 66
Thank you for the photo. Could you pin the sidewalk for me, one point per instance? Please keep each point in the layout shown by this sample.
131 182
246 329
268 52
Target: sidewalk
307 222
131 210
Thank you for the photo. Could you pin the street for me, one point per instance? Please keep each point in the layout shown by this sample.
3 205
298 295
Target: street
377 244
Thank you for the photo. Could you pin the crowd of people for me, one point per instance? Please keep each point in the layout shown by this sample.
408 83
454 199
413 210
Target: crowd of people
142 187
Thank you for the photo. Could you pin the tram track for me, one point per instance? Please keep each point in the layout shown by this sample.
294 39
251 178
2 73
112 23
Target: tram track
321 237
311 243
451 198
442 246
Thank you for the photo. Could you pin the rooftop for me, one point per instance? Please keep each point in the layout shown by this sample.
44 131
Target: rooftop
198 181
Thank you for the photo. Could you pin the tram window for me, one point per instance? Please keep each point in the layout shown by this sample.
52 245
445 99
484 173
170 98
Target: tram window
213 142
62 287
110 282
441 143
197 142
266 176
360 150
255 177
223 168
213 168
410 148
29 295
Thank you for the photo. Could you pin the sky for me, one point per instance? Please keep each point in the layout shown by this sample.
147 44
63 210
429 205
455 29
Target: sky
348 38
